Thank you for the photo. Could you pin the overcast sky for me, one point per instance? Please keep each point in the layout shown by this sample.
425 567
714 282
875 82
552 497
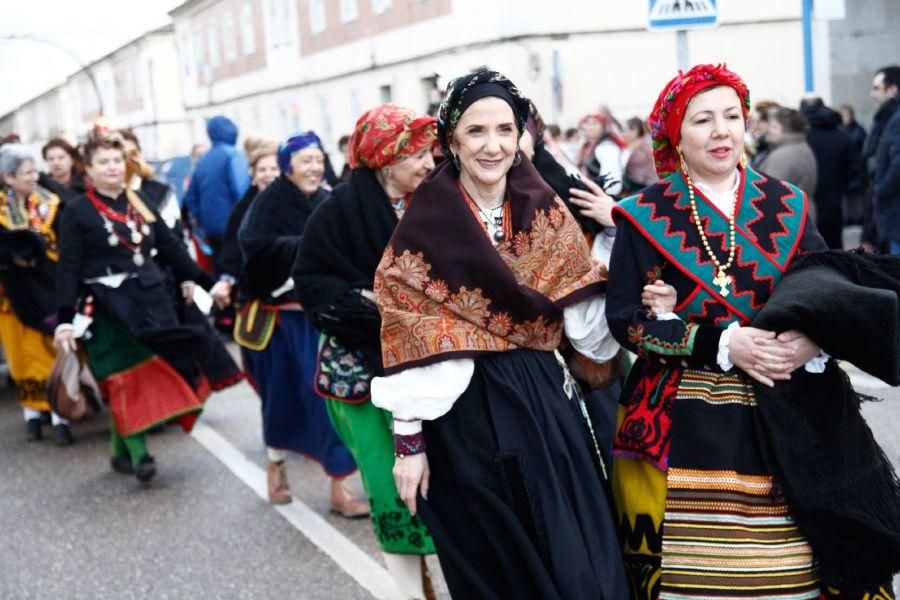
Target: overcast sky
89 28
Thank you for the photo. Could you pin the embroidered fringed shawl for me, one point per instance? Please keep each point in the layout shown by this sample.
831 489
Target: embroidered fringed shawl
444 291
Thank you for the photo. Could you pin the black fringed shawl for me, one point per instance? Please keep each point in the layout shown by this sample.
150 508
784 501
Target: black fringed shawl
840 487
344 241
270 235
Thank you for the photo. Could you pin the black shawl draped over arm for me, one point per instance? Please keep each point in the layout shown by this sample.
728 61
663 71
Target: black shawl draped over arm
343 244
840 487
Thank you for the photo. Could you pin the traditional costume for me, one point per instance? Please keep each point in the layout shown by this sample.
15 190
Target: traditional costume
145 362
473 310
700 512
344 241
281 343
219 368
28 232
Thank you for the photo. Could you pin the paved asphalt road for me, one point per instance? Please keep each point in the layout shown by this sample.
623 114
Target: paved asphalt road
71 529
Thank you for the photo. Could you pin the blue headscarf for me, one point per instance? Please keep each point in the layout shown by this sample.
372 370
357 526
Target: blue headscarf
293 145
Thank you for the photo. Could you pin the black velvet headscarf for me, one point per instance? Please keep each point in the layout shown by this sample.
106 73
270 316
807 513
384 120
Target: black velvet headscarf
464 91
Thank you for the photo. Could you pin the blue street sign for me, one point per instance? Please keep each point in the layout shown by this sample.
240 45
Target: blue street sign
682 14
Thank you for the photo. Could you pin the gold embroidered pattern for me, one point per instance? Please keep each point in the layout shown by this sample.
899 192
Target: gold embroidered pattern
422 317
45 207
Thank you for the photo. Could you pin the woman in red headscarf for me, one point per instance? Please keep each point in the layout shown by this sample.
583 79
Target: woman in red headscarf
390 154
689 450
600 158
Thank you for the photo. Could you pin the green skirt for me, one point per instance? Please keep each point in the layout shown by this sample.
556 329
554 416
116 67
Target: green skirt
366 430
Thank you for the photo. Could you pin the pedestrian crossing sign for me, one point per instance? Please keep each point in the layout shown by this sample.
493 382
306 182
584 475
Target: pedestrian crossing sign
682 14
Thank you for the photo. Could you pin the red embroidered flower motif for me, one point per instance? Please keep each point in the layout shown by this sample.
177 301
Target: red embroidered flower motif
446 343
437 290
470 305
500 324
411 269
521 244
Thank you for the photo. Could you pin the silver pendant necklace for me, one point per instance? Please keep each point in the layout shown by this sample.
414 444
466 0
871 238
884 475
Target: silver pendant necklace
493 221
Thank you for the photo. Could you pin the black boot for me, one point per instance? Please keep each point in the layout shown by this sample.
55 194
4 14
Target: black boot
122 464
33 431
62 435
146 469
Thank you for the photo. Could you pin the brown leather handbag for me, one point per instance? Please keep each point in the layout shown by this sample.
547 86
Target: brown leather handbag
72 391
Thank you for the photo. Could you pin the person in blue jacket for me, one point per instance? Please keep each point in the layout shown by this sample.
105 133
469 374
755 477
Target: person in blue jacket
218 182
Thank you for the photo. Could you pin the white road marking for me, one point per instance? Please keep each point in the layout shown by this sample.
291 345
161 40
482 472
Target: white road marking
863 380
348 556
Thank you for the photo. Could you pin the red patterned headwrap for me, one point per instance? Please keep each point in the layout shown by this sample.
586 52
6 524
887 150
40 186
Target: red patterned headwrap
670 108
388 134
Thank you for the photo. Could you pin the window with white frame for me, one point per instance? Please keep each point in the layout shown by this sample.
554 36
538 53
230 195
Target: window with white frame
286 21
380 6
229 37
198 48
248 31
184 47
349 11
317 16
275 15
212 41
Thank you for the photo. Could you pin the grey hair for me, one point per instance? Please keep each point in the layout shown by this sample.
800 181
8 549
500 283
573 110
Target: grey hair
12 156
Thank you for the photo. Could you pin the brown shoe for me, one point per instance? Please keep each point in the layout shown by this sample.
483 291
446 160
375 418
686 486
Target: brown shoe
279 490
345 503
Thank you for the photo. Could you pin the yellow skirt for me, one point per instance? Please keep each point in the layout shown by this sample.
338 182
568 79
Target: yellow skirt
30 356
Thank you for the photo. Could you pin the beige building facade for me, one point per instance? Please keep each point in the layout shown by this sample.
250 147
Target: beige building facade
318 64
140 88
281 66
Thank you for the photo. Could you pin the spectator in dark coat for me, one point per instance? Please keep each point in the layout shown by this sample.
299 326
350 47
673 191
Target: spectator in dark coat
855 198
883 152
838 164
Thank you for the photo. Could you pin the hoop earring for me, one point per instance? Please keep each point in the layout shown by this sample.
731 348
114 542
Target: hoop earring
518 159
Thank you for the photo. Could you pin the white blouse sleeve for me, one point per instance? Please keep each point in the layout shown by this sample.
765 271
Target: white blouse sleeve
587 329
585 322
422 392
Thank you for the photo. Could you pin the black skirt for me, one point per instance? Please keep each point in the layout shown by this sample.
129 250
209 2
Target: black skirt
517 506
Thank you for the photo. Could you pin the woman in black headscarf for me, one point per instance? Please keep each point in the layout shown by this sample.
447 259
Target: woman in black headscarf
494 450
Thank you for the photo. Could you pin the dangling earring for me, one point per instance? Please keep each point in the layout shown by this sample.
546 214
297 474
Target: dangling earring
684 168
455 160
518 159
744 158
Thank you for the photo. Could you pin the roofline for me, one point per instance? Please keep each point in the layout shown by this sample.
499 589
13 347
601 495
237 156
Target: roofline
184 6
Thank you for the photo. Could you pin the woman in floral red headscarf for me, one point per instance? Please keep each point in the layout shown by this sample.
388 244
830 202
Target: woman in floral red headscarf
700 512
390 154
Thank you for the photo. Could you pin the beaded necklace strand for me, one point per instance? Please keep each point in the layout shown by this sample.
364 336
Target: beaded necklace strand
722 279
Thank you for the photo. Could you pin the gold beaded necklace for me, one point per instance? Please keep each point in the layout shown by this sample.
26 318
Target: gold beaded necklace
722 279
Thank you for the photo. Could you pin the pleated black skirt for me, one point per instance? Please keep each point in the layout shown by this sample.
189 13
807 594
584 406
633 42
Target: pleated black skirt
517 506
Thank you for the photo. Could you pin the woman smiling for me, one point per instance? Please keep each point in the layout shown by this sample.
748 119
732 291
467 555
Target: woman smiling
482 277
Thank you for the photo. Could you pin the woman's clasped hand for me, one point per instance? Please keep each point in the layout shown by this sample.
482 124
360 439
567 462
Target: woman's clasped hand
767 357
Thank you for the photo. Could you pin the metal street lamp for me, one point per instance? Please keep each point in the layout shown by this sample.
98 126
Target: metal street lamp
84 66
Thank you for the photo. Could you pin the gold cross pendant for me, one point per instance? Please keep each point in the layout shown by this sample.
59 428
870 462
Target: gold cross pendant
722 280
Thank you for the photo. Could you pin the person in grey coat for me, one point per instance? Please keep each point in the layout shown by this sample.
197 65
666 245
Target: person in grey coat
790 159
